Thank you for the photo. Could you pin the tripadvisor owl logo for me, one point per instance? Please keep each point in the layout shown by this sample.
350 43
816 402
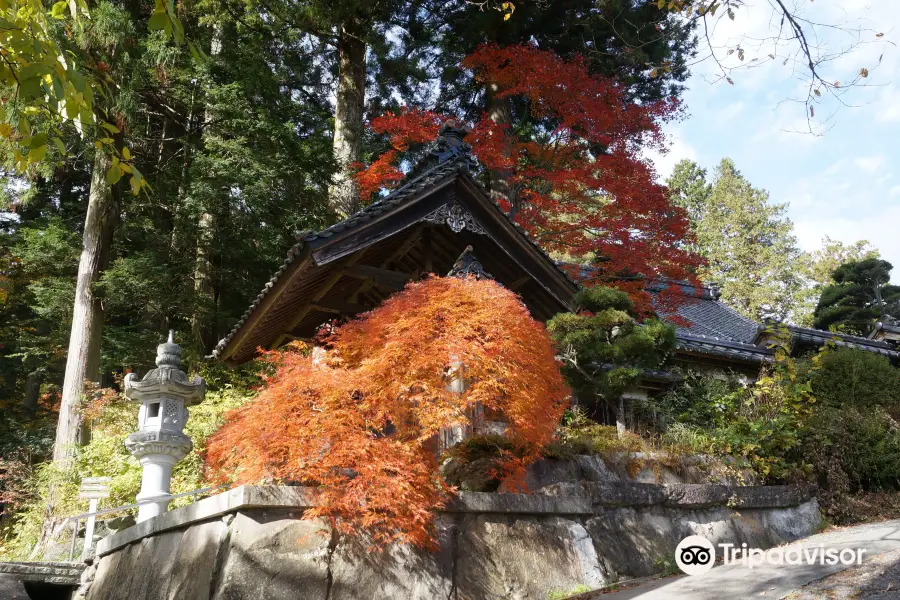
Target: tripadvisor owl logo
695 555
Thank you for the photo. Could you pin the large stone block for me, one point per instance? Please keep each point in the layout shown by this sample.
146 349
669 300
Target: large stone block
631 542
271 555
360 572
593 468
715 524
12 588
791 523
770 496
195 561
526 557
140 571
625 493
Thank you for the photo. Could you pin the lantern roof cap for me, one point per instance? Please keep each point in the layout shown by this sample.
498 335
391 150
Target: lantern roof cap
166 379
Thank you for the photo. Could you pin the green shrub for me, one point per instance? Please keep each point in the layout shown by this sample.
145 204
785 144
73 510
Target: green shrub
106 455
847 377
852 449
702 400
604 348
761 423
581 435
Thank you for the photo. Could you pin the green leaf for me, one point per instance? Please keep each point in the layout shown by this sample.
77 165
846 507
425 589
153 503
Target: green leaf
109 127
58 11
177 27
30 89
39 140
59 145
159 21
37 154
113 175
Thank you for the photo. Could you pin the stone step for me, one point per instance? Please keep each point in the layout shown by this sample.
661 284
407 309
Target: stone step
62 573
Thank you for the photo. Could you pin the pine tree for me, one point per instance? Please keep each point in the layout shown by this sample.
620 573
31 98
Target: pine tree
818 267
748 243
859 295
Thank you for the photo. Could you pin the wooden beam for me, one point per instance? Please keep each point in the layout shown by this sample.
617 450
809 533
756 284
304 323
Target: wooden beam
515 285
386 277
339 307
404 248
326 286
300 264
426 251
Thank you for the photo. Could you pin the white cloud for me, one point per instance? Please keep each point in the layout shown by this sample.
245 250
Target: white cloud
810 231
887 107
870 164
894 191
731 111
678 150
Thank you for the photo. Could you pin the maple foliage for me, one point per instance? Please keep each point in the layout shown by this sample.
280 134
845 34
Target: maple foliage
360 421
574 161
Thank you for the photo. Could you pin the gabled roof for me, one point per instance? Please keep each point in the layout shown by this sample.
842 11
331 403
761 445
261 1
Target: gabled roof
708 327
440 196
721 347
718 330
817 337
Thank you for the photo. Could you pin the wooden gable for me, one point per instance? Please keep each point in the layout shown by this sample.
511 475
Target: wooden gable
420 228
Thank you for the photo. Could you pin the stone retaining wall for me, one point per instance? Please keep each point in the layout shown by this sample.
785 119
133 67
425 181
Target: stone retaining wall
250 542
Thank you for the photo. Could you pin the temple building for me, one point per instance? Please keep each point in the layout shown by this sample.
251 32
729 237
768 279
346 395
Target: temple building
426 224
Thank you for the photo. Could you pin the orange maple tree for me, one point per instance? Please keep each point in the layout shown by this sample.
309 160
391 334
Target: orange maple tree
359 423
572 158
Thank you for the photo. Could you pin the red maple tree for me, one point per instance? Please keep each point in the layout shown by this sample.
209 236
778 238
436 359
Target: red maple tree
576 177
360 423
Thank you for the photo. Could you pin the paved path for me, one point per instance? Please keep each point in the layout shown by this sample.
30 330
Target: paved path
876 579
766 581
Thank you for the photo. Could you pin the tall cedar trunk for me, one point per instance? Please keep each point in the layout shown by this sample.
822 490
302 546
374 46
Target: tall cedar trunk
206 227
83 359
343 196
500 111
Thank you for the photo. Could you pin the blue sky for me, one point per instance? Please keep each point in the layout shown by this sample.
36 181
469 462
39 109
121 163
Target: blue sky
843 183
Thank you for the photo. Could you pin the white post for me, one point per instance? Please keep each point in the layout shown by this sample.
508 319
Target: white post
89 529
92 489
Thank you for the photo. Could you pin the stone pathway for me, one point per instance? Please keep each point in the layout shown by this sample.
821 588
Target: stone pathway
769 581
876 579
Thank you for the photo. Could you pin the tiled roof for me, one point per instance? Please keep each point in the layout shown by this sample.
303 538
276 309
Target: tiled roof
819 337
726 348
709 318
717 329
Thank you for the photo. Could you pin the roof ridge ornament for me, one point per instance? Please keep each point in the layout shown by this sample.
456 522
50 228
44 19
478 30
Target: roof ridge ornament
449 145
468 265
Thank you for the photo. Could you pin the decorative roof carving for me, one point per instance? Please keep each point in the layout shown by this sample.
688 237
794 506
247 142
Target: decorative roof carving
456 217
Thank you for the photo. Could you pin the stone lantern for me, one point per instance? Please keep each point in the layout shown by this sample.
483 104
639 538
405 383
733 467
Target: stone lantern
165 393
